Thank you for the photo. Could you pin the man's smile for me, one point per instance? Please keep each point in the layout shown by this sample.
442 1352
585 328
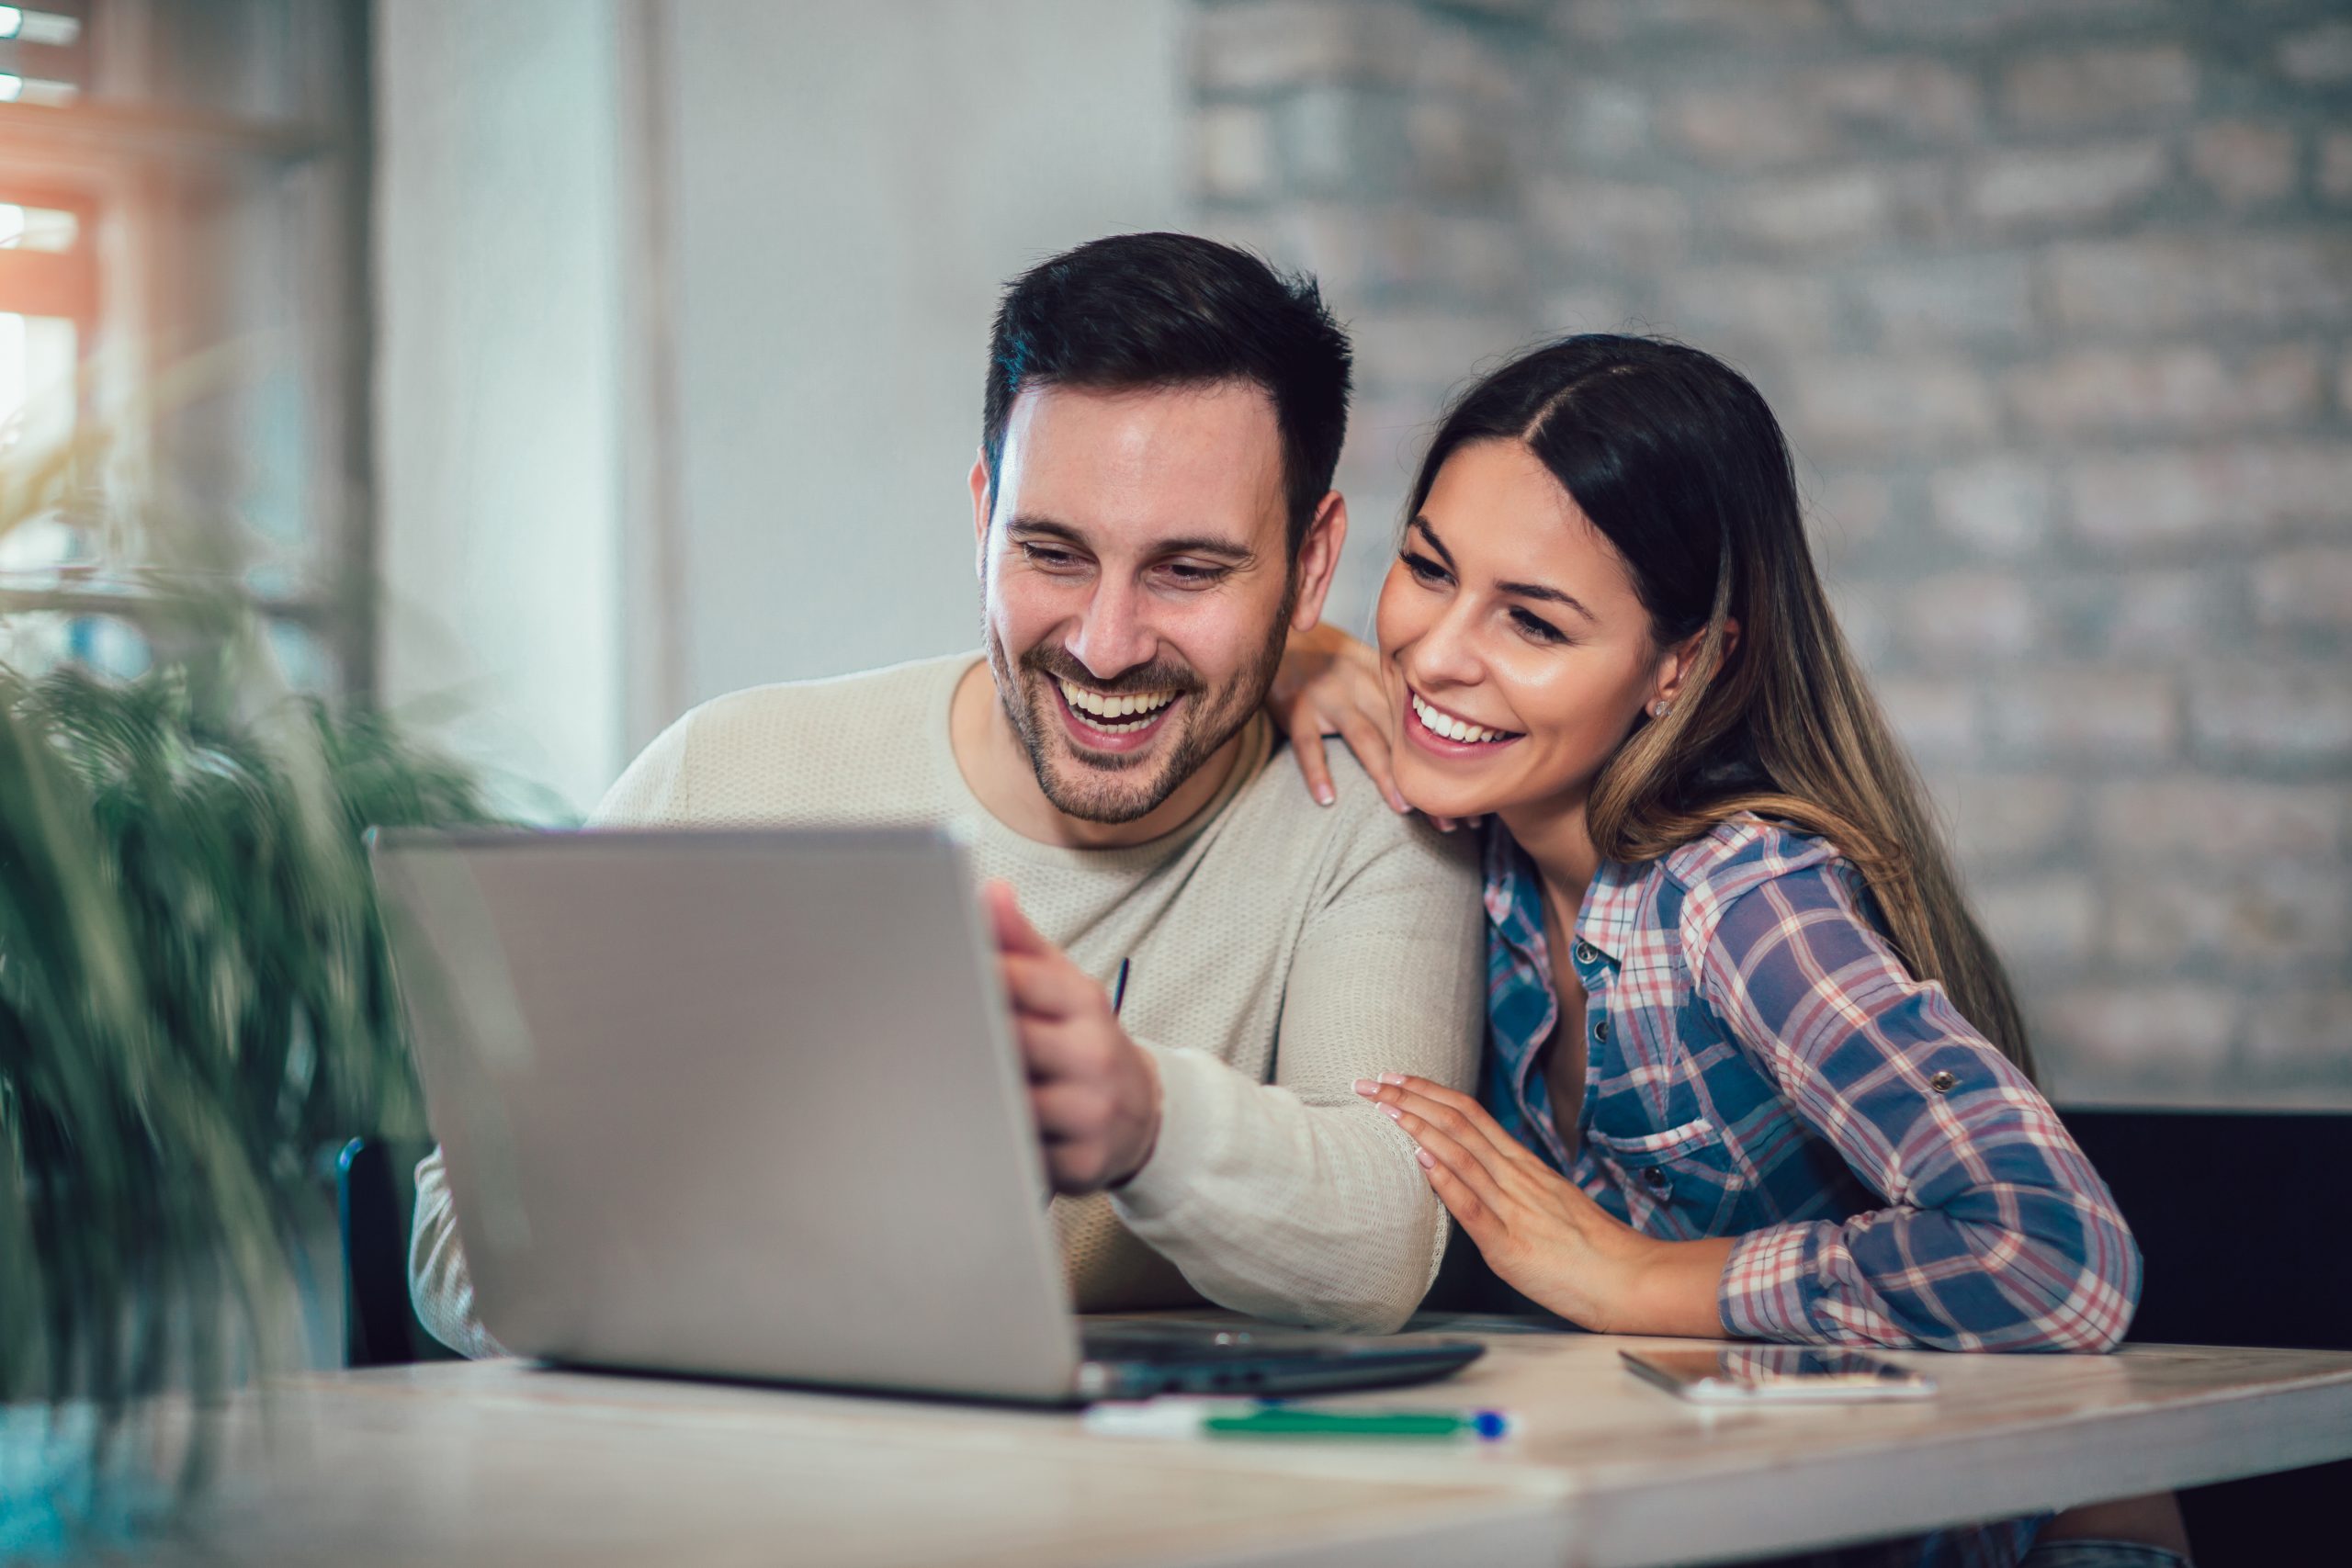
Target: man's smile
1119 722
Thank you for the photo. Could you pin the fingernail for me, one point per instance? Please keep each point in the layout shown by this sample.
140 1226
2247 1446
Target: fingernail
1397 1078
1391 1112
1323 793
1367 1086
1428 1160
1445 827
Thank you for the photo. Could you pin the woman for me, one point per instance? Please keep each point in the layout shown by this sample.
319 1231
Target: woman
1752 1068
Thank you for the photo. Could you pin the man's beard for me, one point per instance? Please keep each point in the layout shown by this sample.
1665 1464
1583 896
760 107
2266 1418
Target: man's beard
1117 788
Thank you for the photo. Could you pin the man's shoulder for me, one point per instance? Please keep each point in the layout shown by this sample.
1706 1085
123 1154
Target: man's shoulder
1357 830
864 699
847 748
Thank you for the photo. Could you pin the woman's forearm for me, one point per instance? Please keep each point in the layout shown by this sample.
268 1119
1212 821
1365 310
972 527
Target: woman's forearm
1676 1288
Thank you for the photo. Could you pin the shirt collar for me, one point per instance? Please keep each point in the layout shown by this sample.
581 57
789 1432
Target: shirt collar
1606 920
1514 896
1611 908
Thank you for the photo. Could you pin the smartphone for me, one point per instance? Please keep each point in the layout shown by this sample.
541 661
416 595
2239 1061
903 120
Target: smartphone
1743 1374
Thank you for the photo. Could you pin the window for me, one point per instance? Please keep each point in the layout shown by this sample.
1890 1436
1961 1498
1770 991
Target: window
183 309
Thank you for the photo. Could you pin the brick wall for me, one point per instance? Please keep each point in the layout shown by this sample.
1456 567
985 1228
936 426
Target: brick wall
2054 298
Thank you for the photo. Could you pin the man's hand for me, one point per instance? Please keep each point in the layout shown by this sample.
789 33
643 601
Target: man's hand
1094 1092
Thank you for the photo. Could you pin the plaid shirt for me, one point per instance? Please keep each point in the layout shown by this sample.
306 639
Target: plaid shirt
1761 1065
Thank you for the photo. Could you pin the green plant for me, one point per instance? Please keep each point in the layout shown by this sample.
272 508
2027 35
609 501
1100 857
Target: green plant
193 999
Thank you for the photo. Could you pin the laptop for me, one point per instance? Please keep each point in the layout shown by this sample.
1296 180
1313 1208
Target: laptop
747 1105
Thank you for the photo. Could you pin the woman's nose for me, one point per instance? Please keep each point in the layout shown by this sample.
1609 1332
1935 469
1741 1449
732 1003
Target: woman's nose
1445 654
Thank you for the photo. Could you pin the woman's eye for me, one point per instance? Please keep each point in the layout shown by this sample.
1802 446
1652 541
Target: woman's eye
1423 568
1537 627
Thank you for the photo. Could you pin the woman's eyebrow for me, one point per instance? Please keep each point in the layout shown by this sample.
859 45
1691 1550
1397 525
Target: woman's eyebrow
1435 543
1549 595
1516 590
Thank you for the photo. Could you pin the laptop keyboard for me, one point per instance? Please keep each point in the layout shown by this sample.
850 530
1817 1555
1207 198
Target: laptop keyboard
1151 1343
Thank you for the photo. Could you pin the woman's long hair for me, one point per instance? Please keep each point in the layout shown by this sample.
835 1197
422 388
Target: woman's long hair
1676 460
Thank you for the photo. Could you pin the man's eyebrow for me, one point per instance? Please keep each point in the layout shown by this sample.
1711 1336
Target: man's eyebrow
1046 526
1516 590
1204 545
1186 544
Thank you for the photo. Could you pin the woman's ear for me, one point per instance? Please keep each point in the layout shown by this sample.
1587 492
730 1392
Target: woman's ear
1674 672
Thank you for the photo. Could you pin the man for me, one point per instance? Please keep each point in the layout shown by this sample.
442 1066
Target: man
1153 514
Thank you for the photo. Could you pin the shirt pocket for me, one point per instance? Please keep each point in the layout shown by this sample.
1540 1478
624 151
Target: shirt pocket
1678 1182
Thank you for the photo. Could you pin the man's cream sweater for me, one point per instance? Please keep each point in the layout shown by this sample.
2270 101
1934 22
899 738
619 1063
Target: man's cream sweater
1280 950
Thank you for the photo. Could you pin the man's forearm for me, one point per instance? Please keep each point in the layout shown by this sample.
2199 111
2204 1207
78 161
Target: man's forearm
441 1288
1300 1213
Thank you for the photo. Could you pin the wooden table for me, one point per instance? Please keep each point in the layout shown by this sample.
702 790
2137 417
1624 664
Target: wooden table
503 1462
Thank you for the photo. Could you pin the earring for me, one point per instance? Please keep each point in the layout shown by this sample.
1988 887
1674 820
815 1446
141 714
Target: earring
1660 709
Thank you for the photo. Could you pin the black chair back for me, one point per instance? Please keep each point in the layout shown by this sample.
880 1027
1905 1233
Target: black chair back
375 1197
2245 1220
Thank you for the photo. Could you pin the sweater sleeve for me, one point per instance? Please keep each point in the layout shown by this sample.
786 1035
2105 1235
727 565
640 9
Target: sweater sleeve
1295 1200
1997 1233
440 1286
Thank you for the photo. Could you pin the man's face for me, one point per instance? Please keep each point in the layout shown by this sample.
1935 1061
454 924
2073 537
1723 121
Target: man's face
1137 585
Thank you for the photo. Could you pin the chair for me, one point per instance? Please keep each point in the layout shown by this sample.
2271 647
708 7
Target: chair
2245 1220
375 1197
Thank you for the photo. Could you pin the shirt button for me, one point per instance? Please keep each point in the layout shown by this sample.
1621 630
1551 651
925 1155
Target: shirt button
1943 1083
1586 952
1600 1028
1661 1185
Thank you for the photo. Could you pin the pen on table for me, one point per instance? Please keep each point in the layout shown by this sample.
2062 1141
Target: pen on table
1183 1418
1119 987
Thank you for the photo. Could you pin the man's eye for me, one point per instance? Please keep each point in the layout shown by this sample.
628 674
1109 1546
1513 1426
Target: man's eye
1047 557
1186 574
1421 566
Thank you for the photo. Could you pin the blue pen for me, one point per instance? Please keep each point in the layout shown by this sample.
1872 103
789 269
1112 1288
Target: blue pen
1119 987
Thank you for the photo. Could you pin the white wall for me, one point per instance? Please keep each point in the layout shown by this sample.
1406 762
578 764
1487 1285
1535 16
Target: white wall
683 314
499 332
853 181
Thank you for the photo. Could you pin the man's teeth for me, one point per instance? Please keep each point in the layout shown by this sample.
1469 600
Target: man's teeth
1138 707
1451 728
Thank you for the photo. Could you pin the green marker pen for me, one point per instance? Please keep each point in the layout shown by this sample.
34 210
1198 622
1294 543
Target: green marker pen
1180 1416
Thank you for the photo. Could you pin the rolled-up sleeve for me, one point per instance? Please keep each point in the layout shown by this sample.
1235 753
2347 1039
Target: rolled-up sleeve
1997 1233
1293 1200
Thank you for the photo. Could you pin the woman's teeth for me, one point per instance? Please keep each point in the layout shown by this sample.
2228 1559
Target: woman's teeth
1105 713
1452 728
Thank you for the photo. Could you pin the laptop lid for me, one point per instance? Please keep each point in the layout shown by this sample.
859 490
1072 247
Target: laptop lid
733 1103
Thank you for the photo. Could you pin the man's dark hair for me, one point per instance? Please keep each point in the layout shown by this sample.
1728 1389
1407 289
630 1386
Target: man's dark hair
1143 311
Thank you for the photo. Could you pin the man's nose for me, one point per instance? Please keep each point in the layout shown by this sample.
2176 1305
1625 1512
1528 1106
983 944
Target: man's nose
1112 636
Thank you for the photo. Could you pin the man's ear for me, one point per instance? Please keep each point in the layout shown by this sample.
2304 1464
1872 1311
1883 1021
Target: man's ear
982 503
1684 656
1319 560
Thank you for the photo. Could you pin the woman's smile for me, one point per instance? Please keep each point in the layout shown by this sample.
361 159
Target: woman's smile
1449 735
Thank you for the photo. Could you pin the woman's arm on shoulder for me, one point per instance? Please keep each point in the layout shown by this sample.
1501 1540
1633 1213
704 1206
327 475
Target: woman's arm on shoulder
1997 1233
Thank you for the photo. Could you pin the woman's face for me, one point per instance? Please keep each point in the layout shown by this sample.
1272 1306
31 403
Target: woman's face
1514 651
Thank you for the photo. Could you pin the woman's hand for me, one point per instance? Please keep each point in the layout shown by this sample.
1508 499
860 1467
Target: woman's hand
1538 1230
1330 684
